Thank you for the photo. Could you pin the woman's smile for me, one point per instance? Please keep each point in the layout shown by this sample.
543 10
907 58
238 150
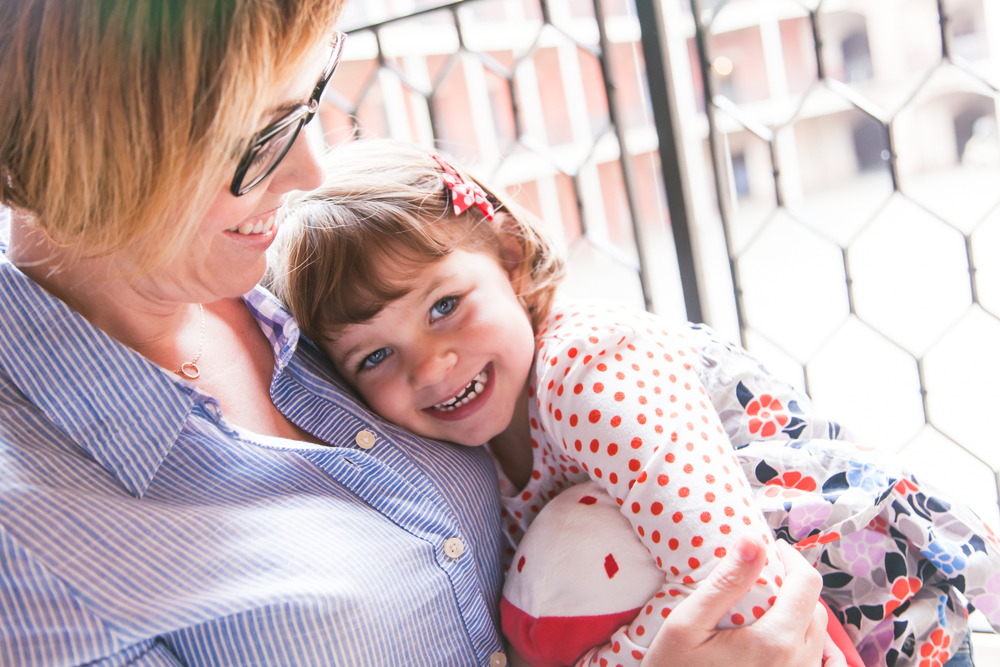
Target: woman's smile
256 233
261 224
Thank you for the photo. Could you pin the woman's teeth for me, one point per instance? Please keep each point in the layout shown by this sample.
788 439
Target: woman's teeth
470 391
259 227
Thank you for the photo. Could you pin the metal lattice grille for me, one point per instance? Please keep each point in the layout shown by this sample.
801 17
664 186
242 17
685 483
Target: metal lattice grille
856 168
538 97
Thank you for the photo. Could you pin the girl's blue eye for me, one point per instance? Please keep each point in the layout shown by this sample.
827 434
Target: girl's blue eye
444 307
375 358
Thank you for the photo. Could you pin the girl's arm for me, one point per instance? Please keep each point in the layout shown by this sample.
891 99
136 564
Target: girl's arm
625 402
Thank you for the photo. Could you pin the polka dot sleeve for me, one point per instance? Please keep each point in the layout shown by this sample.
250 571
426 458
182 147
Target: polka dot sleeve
623 400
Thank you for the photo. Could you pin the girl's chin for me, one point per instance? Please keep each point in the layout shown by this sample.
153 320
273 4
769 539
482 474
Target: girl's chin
476 442
473 436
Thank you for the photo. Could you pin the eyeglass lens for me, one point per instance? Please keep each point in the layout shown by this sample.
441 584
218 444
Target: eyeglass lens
268 154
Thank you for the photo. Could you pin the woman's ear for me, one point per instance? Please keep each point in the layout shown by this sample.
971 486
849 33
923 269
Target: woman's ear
511 251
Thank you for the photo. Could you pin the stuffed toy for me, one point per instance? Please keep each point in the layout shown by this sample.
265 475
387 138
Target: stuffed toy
579 574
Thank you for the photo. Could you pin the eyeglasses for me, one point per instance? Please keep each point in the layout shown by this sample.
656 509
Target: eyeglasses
269 146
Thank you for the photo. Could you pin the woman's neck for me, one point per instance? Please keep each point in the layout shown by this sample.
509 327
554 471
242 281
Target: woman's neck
154 317
512 447
94 288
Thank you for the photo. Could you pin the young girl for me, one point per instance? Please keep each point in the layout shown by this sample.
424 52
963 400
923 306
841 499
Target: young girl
434 299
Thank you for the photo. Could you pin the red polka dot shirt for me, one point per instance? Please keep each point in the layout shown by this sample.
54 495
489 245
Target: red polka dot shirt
623 398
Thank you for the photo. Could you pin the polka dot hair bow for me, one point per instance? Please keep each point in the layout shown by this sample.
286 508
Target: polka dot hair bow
464 194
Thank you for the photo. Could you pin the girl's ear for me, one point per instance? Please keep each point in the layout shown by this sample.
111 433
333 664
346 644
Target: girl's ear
511 250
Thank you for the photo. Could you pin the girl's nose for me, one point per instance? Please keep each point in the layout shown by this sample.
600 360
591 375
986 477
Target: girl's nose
433 367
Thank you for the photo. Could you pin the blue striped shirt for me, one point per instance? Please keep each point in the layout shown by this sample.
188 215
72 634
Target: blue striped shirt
138 526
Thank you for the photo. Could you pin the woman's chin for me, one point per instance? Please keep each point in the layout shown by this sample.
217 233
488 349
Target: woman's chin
244 279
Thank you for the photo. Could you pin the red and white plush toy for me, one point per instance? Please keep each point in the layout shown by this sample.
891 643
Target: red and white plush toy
579 574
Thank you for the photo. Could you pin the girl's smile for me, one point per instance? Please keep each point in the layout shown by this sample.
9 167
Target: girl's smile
450 359
468 400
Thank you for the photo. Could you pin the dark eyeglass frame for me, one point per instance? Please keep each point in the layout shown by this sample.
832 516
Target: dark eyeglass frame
300 115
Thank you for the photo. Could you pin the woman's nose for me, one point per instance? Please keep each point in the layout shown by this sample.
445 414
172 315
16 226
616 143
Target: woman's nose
301 169
433 367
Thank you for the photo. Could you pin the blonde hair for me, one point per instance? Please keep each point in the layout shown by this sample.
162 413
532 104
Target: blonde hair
119 119
349 248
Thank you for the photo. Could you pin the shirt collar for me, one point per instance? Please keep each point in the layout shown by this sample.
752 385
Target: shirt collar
120 408
277 324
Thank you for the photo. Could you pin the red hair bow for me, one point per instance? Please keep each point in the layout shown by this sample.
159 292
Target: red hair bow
464 194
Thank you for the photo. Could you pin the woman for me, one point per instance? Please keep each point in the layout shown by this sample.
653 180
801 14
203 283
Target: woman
183 480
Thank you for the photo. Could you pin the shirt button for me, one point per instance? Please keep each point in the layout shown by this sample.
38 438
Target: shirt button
498 660
454 547
365 439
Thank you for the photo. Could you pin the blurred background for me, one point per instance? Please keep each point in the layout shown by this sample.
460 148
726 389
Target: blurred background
817 180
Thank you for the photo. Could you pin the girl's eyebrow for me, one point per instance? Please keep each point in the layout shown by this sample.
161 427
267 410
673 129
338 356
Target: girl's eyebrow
434 284
356 349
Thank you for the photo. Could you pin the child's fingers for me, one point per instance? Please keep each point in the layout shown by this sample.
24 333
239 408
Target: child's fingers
697 617
832 655
794 614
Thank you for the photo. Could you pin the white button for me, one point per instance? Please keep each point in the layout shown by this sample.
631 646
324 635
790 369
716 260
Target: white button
454 547
498 660
365 439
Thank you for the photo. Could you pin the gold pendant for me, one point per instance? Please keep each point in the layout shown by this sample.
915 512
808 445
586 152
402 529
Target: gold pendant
190 371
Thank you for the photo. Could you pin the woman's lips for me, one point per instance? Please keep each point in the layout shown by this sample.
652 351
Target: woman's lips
258 225
261 228
463 411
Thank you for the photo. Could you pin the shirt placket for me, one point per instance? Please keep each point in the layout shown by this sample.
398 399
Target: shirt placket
385 491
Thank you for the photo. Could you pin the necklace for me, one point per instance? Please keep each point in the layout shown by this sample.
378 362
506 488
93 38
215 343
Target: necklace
190 369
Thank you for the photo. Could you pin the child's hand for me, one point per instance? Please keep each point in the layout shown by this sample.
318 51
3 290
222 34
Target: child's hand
832 656
792 633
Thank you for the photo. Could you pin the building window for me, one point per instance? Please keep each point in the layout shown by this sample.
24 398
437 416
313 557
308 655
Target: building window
740 181
870 145
857 58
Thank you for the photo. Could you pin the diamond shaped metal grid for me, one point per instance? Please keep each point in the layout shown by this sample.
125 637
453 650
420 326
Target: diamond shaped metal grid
537 112
910 238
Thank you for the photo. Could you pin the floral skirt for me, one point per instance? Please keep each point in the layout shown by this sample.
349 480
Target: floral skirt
900 564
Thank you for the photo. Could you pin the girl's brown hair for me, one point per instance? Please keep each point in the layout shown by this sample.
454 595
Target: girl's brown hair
349 248
120 119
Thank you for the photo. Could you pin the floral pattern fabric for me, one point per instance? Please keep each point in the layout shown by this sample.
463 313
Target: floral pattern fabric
697 442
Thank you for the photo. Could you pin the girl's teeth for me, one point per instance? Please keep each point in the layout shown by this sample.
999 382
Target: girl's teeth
268 224
234 228
474 388
258 227
246 228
